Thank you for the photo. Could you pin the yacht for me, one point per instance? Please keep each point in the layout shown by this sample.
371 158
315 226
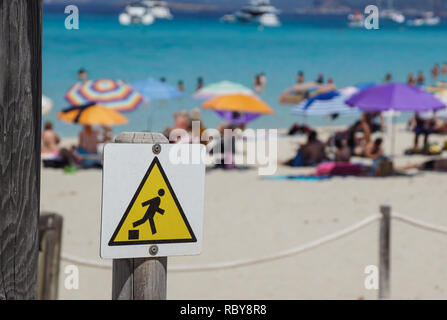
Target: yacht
258 11
425 19
393 15
136 13
159 9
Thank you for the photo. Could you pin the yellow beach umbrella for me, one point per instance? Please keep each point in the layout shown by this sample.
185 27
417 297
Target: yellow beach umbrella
92 114
238 103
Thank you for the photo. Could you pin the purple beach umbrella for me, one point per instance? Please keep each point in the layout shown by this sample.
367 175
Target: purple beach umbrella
236 117
395 96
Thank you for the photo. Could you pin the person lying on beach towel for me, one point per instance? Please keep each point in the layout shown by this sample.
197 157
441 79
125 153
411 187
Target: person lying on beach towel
438 165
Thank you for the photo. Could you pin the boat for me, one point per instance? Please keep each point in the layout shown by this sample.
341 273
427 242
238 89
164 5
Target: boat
257 11
136 13
356 20
393 15
425 19
159 9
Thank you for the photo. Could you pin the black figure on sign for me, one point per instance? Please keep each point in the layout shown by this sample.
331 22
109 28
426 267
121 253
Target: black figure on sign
154 207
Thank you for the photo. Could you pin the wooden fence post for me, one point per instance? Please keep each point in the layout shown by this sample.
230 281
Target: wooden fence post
50 241
385 253
140 278
20 126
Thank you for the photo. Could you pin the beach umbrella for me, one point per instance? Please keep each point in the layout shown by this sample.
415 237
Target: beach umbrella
322 105
395 97
92 114
153 89
222 88
109 93
238 103
238 108
47 105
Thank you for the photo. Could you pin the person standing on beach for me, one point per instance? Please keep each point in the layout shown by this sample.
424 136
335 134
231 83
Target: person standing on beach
82 74
300 77
320 79
411 80
388 78
435 72
444 68
420 79
180 86
199 83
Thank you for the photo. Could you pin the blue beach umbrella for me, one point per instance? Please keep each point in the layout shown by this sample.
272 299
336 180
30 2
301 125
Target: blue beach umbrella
153 89
326 104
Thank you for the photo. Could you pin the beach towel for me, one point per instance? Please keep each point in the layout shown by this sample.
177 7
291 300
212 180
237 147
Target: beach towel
339 168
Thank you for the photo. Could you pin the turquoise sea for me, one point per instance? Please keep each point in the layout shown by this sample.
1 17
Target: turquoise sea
192 46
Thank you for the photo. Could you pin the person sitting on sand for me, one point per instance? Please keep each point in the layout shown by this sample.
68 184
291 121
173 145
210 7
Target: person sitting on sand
373 149
50 141
88 140
342 151
309 154
52 151
369 125
181 121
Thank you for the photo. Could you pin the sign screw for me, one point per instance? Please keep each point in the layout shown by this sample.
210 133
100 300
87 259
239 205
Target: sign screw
156 148
153 250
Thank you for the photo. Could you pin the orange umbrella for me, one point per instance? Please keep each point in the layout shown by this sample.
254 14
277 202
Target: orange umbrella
238 103
92 114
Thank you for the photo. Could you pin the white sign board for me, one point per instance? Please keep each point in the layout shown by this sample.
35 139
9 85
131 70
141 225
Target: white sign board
152 203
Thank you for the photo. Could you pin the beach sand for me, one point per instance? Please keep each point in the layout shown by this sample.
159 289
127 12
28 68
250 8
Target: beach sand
249 217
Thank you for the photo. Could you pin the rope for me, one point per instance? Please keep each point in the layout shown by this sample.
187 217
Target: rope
276 256
419 223
241 263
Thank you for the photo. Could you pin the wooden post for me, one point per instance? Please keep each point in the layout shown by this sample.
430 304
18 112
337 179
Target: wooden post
20 126
142 278
50 236
385 253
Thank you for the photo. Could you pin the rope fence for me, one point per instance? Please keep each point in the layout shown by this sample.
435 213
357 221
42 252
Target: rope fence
279 255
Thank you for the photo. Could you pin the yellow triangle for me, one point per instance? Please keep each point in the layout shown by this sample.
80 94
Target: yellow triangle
154 215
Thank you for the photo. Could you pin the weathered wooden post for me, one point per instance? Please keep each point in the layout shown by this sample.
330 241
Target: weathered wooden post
385 253
50 242
20 125
140 278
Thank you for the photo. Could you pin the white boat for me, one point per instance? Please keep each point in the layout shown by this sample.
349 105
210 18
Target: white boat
393 15
159 9
356 20
257 11
425 19
136 13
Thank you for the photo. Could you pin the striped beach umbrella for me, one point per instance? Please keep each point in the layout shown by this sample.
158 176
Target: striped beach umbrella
112 94
328 104
222 88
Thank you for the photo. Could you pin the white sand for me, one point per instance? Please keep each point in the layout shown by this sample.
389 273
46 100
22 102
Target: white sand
247 217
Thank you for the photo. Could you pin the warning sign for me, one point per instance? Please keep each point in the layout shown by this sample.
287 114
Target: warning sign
154 214
152 200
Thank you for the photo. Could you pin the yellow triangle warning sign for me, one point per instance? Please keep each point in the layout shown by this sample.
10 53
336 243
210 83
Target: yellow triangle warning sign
154 214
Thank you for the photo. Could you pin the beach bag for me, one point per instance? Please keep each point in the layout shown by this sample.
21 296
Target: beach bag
339 168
